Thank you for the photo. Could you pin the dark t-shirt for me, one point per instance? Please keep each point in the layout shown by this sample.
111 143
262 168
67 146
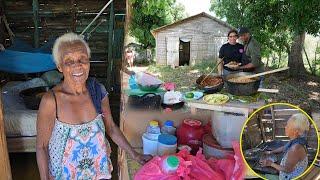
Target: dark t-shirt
231 53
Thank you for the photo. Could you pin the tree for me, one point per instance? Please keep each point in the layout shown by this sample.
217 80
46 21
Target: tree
278 24
150 14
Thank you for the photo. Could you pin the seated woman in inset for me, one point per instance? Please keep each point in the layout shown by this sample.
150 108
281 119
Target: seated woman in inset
295 159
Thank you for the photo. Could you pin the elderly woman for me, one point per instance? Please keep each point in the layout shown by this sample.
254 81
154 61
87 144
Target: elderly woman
231 51
295 160
74 118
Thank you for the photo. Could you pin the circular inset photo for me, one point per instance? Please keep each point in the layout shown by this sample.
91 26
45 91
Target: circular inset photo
279 141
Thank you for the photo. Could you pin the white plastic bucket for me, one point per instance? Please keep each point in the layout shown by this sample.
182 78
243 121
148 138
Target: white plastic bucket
226 127
164 149
150 146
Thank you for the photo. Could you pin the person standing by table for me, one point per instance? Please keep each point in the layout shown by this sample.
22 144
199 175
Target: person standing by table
231 51
252 52
74 120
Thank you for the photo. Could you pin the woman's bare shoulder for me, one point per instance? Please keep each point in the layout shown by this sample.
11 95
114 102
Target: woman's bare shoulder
48 102
298 150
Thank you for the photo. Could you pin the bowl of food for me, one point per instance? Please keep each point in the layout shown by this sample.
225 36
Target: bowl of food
32 96
147 82
216 98
232 64
193 95
153 87
210 84
237 85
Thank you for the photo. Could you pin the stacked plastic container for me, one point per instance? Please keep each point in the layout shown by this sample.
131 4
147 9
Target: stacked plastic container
150 138
158 141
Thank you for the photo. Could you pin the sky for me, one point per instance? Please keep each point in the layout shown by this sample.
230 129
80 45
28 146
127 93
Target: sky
193 7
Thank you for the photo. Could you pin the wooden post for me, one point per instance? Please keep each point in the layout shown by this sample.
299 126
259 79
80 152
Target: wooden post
263 133
35 9
5 170
74 16
273 123
110 47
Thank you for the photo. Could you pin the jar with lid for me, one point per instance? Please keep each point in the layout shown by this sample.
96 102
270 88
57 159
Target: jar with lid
168 128
167 144
170 164
153 127
190 133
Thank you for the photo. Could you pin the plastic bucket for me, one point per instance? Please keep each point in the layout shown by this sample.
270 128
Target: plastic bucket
167 144
149 146
211 148
226 127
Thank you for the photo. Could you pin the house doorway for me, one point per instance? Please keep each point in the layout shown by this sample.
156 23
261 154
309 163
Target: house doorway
184 53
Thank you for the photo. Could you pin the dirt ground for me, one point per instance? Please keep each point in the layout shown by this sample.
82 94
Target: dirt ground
303 91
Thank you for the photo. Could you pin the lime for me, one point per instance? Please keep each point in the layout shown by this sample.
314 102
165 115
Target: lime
189 95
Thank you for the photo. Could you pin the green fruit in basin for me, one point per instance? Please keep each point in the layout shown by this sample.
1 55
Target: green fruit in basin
189 95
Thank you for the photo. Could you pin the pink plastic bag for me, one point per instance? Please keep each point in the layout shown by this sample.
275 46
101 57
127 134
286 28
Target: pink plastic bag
196 167
232 168
169 86
153 170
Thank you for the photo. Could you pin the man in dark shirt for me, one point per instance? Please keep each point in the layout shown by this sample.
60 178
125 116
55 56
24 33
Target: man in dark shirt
252 56
231 51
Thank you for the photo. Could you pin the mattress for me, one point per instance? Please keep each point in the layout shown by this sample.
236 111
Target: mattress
19 121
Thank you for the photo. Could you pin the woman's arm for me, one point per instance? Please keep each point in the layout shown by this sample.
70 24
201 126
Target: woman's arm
220 66
45 123
278 150
117 136
296 154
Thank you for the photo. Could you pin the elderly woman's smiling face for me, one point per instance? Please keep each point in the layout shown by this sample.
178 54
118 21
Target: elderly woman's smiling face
74 62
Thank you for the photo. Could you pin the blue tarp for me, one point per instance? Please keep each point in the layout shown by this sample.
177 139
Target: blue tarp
25 62
22 58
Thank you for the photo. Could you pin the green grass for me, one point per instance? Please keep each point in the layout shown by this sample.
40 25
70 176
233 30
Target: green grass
184 76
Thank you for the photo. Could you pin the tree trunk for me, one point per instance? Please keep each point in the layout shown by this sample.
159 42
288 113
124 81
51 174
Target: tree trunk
295 61
279 55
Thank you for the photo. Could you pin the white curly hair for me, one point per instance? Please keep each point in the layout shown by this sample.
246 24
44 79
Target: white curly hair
67 38
300 122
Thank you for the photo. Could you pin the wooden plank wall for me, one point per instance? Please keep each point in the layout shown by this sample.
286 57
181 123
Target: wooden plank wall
5 170
57 17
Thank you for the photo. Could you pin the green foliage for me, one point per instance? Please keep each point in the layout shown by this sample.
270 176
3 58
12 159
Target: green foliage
151 14
274 23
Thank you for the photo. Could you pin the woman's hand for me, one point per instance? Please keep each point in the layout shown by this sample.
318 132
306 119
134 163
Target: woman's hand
141 158
265 162
267 152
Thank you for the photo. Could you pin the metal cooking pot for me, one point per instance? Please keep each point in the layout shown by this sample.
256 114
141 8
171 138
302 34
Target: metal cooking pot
210 89
242 89
32 96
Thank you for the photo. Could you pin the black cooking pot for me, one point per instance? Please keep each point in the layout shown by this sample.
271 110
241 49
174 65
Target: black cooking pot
242 89
32 96
210 89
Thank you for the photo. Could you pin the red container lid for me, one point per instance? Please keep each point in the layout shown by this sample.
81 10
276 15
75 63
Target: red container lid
192 122
209 140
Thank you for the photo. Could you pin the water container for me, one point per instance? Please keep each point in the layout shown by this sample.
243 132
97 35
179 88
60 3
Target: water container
170 164
168 128
132 82
226 127
153 127
150 146
167 144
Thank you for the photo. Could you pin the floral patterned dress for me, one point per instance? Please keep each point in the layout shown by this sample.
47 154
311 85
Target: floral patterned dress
80 151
